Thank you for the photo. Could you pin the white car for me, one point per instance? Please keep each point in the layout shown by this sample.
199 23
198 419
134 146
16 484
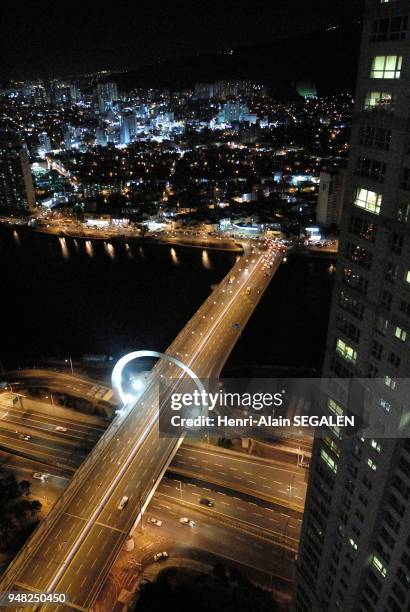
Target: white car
24 437
155 521
40 476
161 555
123 503
186 521
60 428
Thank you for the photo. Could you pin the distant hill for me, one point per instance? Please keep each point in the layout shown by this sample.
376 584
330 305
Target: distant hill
327 58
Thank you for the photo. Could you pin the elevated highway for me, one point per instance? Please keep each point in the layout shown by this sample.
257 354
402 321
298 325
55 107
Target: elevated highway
74 547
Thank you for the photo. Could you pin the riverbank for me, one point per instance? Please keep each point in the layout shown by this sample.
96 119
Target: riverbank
203 242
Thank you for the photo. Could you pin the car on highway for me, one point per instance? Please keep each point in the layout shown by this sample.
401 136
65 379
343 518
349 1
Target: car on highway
207 502
40 476
24 437
60 428
160 556
186 521
123 503
154 521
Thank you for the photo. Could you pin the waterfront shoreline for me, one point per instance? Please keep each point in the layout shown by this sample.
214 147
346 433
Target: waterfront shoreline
230 245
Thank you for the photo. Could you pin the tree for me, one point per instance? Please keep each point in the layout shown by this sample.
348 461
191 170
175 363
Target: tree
9 487
35 506
219 572
24 486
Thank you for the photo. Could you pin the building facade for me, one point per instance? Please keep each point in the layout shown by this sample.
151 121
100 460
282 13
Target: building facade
330 198
107 94
16 181
354 552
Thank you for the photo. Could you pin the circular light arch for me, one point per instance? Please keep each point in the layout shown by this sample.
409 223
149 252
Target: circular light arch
121 363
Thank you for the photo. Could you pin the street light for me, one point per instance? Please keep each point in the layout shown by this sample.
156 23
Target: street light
69 360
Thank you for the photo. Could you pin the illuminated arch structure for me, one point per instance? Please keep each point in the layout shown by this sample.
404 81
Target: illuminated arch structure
121 363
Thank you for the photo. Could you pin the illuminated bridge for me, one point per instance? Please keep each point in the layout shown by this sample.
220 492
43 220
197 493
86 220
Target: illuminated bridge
74 547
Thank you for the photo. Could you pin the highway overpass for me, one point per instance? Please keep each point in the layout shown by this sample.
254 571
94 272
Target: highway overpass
74 547
74 385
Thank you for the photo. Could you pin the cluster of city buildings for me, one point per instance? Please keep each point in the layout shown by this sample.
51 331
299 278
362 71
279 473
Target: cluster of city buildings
221 150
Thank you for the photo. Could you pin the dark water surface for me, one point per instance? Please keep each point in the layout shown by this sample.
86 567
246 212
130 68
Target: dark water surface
63 297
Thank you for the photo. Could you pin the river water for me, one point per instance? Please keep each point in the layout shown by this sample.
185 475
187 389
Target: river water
62 297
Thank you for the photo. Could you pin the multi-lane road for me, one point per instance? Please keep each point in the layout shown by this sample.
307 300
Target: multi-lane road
254 530
74 547
28 430
281 483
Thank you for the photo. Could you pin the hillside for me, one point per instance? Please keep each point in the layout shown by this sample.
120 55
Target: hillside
327 58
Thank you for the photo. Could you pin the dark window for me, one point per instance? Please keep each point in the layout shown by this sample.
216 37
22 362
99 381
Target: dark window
351 305
367 482
340 369
389 28
375 581
392 272
379 138
386 300
370 168
405 181
355 281
394 360
397 505
377 350
373 371
399 593
381 325
401 487
371 594
394 607
404 307
361 227
404 578
359 255
391 522
350 330
383 553
386 537
396 243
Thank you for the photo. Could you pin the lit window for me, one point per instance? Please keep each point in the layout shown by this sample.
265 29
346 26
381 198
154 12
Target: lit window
376 445
346 351
385 404
400 334
329 461
379 566
408 276
352 543
337 410
379 100
403 213
386 67
368 200
390 382
371 464
332 445
334 407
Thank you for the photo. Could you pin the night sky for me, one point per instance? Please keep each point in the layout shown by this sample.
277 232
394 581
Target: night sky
43 38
